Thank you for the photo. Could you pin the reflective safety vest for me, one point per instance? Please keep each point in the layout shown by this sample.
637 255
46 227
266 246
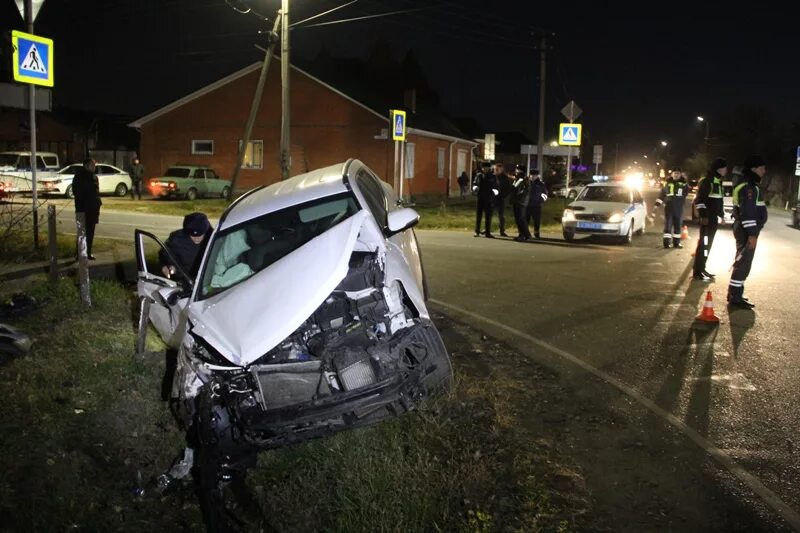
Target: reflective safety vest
676 189
716 188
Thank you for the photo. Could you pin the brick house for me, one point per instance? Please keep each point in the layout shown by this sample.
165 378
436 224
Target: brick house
328 126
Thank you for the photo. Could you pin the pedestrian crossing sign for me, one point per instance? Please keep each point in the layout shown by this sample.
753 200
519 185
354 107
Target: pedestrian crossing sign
569 134
33 58
398 125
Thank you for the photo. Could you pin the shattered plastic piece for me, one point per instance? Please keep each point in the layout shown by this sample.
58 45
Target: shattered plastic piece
181 468
13 341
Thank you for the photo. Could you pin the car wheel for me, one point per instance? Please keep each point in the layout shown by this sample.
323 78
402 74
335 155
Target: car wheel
191 194
226 193
640 231
569 236
628 238
121 189
68 193
439 371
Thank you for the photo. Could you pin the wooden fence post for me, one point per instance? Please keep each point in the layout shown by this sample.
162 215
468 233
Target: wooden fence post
52 245
83 260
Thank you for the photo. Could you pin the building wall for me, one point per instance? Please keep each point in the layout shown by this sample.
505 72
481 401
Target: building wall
327 128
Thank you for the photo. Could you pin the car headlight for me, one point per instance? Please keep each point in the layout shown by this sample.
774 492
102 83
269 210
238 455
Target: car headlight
569 215
615 218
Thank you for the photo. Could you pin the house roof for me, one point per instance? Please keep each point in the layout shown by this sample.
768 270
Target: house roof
426 124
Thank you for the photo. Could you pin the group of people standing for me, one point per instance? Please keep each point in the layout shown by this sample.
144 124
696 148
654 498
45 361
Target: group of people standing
749 213
494 188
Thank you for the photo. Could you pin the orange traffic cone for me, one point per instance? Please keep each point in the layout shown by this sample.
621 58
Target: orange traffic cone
707 315
685 232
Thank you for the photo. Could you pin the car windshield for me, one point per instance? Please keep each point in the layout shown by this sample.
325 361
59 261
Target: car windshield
605 194
177 172
243 250
8 160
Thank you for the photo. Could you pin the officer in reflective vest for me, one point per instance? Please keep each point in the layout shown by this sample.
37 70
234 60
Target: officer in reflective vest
673 196
709 208
750 213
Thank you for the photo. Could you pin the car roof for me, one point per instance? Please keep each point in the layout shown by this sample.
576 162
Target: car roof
297 190
12 152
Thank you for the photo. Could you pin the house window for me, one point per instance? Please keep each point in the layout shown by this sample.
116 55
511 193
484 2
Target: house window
440 163
254 155
203 147
410 156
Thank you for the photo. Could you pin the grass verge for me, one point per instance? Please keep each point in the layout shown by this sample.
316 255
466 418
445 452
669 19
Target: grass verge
85 428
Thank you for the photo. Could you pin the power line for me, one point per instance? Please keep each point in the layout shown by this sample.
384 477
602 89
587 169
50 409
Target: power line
323 13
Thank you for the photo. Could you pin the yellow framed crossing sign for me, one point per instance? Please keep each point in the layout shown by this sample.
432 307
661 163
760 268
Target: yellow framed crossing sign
398 125
569 134
33 58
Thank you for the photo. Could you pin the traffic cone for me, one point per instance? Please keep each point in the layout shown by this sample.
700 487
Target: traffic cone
707 314
685 232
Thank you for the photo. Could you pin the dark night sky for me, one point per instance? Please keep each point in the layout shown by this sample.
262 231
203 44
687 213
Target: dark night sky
639 76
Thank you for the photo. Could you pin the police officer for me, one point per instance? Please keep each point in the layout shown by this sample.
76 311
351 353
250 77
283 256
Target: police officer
484 186
673 196
504 189
537 200
521 190
709 207
750 215
186 245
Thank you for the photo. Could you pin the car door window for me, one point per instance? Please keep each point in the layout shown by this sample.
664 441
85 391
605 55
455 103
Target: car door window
211 175
372 191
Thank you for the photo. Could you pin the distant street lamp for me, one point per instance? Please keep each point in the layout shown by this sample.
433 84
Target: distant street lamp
664 143
708 125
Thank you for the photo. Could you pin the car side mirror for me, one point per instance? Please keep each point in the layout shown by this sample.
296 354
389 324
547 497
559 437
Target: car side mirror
401 220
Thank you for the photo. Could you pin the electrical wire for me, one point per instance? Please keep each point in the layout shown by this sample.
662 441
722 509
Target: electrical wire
354 19
323 13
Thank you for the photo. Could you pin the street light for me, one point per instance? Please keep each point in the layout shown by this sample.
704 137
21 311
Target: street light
702 119
664 143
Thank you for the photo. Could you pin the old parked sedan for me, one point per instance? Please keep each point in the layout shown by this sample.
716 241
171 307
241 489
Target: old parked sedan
608 208
307 317
190 182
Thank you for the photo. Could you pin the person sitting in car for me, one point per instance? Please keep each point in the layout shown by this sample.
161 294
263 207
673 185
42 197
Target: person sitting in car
186 245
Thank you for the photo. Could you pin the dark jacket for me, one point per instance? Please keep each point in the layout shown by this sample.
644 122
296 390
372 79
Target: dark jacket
186 253
486 185
462 179
522 188
86 189
673 194
137 173
709 196
538 191
749 208
504 186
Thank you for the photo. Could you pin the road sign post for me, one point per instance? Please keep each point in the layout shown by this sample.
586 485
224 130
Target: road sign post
597 157
32 64
399 138
570 134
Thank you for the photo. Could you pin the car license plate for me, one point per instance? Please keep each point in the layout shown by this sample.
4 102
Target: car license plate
590 225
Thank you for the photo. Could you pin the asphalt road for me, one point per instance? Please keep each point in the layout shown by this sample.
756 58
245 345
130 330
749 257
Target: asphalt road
626 313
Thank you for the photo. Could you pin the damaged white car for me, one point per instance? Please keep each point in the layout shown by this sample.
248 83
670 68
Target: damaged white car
307 317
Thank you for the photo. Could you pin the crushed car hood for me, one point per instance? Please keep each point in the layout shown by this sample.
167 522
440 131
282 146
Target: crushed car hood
249 319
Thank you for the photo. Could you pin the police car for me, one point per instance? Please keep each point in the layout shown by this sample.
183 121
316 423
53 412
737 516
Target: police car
608 208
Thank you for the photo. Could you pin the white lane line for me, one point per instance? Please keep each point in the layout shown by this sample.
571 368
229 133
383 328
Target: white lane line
770 498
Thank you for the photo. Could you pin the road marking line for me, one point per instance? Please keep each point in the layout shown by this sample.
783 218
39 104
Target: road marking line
770 498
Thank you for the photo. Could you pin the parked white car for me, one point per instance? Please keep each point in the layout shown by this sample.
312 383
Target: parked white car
112 180
609 208
15 169
307 316
560 190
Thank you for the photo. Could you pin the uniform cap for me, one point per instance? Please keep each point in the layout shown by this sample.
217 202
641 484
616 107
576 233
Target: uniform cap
196 224
718 163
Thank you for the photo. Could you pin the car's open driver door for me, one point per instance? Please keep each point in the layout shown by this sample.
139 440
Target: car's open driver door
162 301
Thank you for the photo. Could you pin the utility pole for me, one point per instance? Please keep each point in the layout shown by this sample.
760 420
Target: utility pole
286 158
542 85
32 103
248 130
